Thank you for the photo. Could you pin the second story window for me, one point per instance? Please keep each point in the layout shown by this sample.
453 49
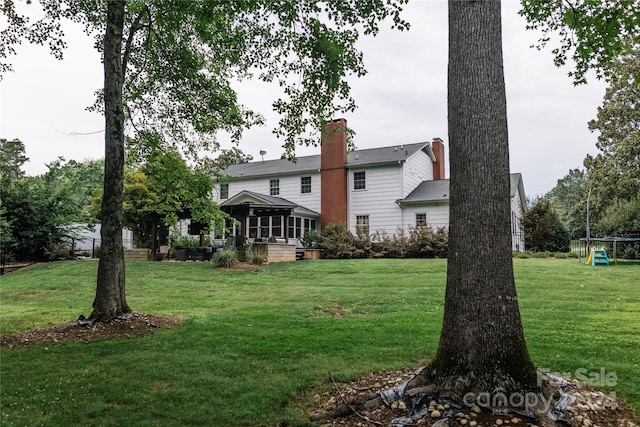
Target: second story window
359 180
305 185
224 191
274 187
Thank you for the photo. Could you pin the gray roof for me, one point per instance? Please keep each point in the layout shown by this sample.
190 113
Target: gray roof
259 199
434 191
263 199
358 158
382 155
274 167
429 191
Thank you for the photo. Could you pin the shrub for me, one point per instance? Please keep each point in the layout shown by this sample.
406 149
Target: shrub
630 252
421 242
184 241
59 252
363 244
257 256
338 242
225 258
391 246
310 238
424 242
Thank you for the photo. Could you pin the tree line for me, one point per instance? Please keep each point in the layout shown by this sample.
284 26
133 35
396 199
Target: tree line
40 216
607 189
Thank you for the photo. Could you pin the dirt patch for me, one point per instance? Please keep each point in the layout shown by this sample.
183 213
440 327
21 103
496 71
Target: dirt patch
136 324
591 408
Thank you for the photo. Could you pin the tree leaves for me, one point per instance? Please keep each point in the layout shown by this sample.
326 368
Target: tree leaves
592 33
182 58
613 174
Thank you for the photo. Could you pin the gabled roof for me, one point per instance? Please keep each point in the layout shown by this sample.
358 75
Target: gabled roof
257 200
358 158
435 191
247 197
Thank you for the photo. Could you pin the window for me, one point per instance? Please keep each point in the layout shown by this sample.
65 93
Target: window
421 219
362 224
259 227
253 227
224 191
359 180
298 227
274 187
305 185
276 226
292 229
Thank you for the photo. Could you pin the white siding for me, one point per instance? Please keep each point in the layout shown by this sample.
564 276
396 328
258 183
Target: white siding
437 215
377 200
517 241
416 169
91 239
289 189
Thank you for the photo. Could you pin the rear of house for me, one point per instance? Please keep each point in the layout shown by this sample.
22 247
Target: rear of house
375 190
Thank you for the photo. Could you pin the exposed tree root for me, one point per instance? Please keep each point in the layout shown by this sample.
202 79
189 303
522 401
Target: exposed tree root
560 402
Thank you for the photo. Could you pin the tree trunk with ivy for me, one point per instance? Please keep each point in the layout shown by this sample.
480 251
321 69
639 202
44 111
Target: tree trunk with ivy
110 300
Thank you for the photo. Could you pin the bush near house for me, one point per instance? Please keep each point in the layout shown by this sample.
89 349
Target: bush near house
225 258
420 242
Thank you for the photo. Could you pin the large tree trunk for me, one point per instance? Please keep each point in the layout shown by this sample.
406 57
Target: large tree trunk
482 347
110 300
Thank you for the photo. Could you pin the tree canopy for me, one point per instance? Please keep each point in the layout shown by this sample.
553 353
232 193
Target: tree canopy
161 191
613 174
565 198
592 34
41 215
543 228
180 60
12 158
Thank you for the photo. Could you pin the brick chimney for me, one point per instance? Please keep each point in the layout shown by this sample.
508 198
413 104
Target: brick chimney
437 146
333 173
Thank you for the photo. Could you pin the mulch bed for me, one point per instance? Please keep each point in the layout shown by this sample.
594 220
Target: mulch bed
136 324
591 408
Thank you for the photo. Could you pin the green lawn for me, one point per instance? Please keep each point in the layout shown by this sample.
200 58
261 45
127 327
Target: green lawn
257 345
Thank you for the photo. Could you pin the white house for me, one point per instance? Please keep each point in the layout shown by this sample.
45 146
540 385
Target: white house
379 189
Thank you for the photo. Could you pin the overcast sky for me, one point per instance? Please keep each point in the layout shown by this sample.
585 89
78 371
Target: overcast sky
401 100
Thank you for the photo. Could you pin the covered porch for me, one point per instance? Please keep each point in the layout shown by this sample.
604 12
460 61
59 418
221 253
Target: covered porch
269 224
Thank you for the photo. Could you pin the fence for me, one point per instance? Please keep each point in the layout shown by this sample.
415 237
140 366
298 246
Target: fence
88 247
91 247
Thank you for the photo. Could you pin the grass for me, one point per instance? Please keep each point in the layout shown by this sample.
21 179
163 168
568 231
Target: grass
257 345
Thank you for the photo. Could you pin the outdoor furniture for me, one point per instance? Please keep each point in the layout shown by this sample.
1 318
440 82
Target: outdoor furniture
193 253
